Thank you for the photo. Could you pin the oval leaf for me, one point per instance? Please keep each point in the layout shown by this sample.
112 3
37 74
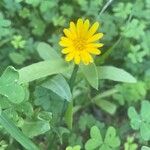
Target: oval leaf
91 74
35 128
115 74
59 85
42 69
46 52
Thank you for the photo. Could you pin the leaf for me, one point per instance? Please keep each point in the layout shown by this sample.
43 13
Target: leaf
91 74
69 115
115 74
96 139
140 121
47 52
145 131
9 86
59 85
106 105
92 144
42 69
45 116
134 117
25 108
77 147
110 142
145 148
35 128
17 58
122 10
34 3
111 139
133 29
47 5
16 133
145 111
95 133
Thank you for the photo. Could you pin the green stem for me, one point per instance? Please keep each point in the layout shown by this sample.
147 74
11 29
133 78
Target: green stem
71 84
68 113
73 77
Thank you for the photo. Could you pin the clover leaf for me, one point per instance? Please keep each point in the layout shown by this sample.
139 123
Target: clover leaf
122 10
4 26
77 147
9 86
133 29
96 141
145 148
141 121
130 144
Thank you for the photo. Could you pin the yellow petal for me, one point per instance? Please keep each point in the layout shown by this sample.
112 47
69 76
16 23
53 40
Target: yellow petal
94 45
86 58
73 29
65 42
67 33
91 58
79 27
93 29
95 37
66 50
86 25
77 59
94 51
69 57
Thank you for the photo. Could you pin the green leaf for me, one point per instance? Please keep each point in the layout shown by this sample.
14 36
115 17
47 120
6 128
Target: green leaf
122 10
105 147
5 24
34 128
34 3
47 52
77 147
92 144
45 116
110 142
145 131
111 139
135 119
115 74
59 85
17 58
106 105
141 121
69 115
42 69
25 108
95 133
47 5
145 148
133 29
96 139
91 74
145 111
9 86
16 133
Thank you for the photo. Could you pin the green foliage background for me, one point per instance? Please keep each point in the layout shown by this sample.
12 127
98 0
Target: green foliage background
114 117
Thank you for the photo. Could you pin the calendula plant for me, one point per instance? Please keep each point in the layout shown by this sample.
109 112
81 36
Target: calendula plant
79 46
69 75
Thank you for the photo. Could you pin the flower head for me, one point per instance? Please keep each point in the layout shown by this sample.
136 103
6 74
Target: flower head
80 42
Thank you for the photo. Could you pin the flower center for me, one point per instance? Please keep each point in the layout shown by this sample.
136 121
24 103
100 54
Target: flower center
79 44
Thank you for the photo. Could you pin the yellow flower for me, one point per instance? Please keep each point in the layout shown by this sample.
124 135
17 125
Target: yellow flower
80 41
